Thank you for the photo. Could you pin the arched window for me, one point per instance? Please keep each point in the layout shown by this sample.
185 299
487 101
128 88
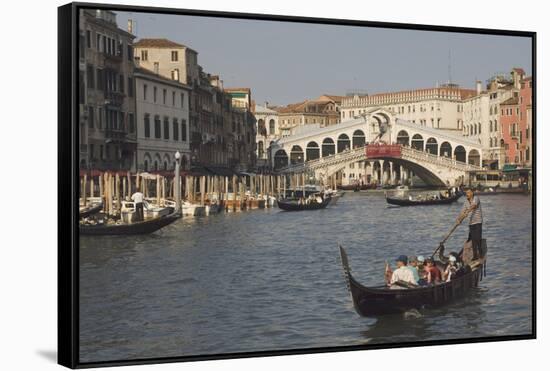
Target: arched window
328 147
272 127
417 142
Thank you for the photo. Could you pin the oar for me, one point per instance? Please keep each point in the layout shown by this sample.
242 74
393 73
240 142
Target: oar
448 235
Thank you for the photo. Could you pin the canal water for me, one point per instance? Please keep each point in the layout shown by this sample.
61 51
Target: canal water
272 280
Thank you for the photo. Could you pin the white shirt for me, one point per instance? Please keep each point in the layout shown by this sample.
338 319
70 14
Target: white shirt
403 274
137 197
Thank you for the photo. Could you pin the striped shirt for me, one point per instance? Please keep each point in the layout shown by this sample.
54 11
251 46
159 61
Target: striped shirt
476 216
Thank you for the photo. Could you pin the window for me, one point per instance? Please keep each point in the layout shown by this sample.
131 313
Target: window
183 130
155 94
182 100
121 83
129 52
100 80
130 87
163 96
175 129
101 152
176 74
174 55
91 117
166 128
104 39
98 42
144 56
88 38
147 126
157 127
90 76
100 118
131 124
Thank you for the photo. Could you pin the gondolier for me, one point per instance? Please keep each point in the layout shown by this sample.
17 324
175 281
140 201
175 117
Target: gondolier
138 200
472 206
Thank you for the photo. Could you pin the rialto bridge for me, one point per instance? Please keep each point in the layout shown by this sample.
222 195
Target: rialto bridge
386 149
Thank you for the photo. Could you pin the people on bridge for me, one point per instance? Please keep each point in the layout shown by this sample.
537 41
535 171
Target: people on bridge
472 206
402 275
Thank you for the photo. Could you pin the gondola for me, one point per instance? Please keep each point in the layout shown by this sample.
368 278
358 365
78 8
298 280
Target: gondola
90 210
287 205
356 187
143 227
406 202
381 300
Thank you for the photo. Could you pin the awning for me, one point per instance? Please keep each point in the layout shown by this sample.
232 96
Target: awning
509 167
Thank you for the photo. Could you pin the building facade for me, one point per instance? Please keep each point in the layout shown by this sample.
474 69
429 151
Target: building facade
106 93
243 129
267 132
320 112
439 108
162 112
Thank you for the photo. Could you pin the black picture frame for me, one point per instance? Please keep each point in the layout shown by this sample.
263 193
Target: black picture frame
68 179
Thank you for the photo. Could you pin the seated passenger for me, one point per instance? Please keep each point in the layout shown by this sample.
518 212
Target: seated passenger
451 269
433 275
413 266
402 274
422 274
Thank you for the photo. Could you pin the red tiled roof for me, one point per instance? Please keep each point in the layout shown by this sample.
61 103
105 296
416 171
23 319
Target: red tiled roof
157 43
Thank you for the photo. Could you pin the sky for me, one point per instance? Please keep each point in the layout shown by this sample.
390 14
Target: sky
286 62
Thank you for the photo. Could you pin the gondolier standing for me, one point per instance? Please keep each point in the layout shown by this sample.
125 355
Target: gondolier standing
138 199
472 206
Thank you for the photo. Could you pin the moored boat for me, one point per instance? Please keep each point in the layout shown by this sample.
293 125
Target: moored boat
90 210
142 227
294 205
380 300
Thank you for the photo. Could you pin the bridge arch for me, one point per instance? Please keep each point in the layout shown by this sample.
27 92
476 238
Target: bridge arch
358 139
431 146
417 142
343 143
460 154
312 151
328 147
280 159
474 158
403 138
296 155
446 150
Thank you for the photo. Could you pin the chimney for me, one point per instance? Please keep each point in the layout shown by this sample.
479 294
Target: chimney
266 103
478 87
130 26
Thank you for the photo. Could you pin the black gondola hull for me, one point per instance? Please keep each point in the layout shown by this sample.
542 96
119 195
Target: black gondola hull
406 202
378 301
144 227
90 211
294 206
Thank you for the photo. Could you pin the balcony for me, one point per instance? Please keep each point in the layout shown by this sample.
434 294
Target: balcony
116 135
113 59
114 98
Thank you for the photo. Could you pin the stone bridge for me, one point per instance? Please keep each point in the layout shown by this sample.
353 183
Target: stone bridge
438 157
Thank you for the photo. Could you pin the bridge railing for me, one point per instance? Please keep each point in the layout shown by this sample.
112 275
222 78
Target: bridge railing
435 159
361 152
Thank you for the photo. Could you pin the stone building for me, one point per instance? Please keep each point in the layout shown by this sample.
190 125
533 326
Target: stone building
106 93
267 132
439 108
162 112
243 129
320 112
492 115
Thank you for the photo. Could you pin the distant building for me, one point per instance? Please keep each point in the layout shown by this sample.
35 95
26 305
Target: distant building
492 117
162 121
321 112
243 129
106 98
267 132
439 108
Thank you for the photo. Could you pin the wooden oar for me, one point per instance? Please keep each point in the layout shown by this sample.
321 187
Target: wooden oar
449 234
